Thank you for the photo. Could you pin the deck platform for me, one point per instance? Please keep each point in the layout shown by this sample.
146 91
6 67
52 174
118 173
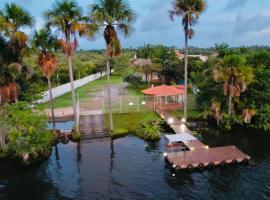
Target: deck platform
198 154
203 157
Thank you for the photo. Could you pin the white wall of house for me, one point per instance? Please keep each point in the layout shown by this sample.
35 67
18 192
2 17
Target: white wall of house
66 88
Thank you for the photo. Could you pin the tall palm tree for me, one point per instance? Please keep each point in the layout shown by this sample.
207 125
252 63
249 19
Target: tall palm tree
109 15
12 19
45 42
190 11
66 17
235 76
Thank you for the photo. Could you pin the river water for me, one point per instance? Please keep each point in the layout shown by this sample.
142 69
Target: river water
129 168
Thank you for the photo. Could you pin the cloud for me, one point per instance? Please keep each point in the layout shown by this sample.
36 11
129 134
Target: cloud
257 23
233 4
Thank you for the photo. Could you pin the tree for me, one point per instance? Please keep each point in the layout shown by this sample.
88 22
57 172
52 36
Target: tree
101 66
46 43
66 17
190 11
28 137
223 50
133 79
9 89
235 76
12 19
112 14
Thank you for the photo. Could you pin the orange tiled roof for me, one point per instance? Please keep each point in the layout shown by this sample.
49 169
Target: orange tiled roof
164 90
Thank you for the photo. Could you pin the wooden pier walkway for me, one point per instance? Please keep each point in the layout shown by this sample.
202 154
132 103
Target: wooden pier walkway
198 154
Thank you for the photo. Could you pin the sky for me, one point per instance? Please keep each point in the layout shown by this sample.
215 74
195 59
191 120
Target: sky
235 22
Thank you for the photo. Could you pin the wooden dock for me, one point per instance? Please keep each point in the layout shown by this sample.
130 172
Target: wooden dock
202 157
198 154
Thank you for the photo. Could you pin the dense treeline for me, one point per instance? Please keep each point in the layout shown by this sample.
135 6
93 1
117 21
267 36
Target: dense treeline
234 87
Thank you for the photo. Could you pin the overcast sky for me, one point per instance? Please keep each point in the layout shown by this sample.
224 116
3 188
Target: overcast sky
236 22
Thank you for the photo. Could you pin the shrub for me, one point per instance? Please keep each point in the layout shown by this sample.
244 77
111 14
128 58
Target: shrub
133 79
28 137
228 121
75 135
262 119
151 130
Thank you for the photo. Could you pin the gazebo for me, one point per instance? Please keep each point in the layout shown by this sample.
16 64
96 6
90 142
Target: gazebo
165 97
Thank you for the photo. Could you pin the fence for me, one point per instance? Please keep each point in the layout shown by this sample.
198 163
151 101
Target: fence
129 104
65 88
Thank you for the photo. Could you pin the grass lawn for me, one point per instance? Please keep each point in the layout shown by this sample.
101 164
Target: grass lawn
192 114
136 91
193 111
130 123
84 92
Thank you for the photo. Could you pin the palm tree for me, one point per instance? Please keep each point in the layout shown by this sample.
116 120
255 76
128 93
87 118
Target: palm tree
9 89
190 11
66 17
112 14
46 43
12 19
235 76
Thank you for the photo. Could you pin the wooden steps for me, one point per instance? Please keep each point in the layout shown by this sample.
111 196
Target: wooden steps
93 127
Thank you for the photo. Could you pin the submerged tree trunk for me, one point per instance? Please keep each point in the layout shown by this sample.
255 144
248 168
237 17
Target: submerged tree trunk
51 101
74 104
109 94
186 76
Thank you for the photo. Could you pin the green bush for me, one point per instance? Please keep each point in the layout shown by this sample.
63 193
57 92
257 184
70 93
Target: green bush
27 134
151 131
133 79
75 135
228 122
262 119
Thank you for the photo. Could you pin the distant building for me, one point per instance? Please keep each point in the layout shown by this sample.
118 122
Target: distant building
150 74
182 56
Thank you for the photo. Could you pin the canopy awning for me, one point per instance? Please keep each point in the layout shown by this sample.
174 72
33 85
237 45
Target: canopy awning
163 90
180 137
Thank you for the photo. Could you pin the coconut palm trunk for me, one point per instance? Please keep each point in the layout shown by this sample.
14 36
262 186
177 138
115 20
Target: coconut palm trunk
74 103
190 11
186 76
109 94
51 102
230 96
3 134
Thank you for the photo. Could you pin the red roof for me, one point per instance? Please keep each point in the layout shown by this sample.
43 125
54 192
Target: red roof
163 90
